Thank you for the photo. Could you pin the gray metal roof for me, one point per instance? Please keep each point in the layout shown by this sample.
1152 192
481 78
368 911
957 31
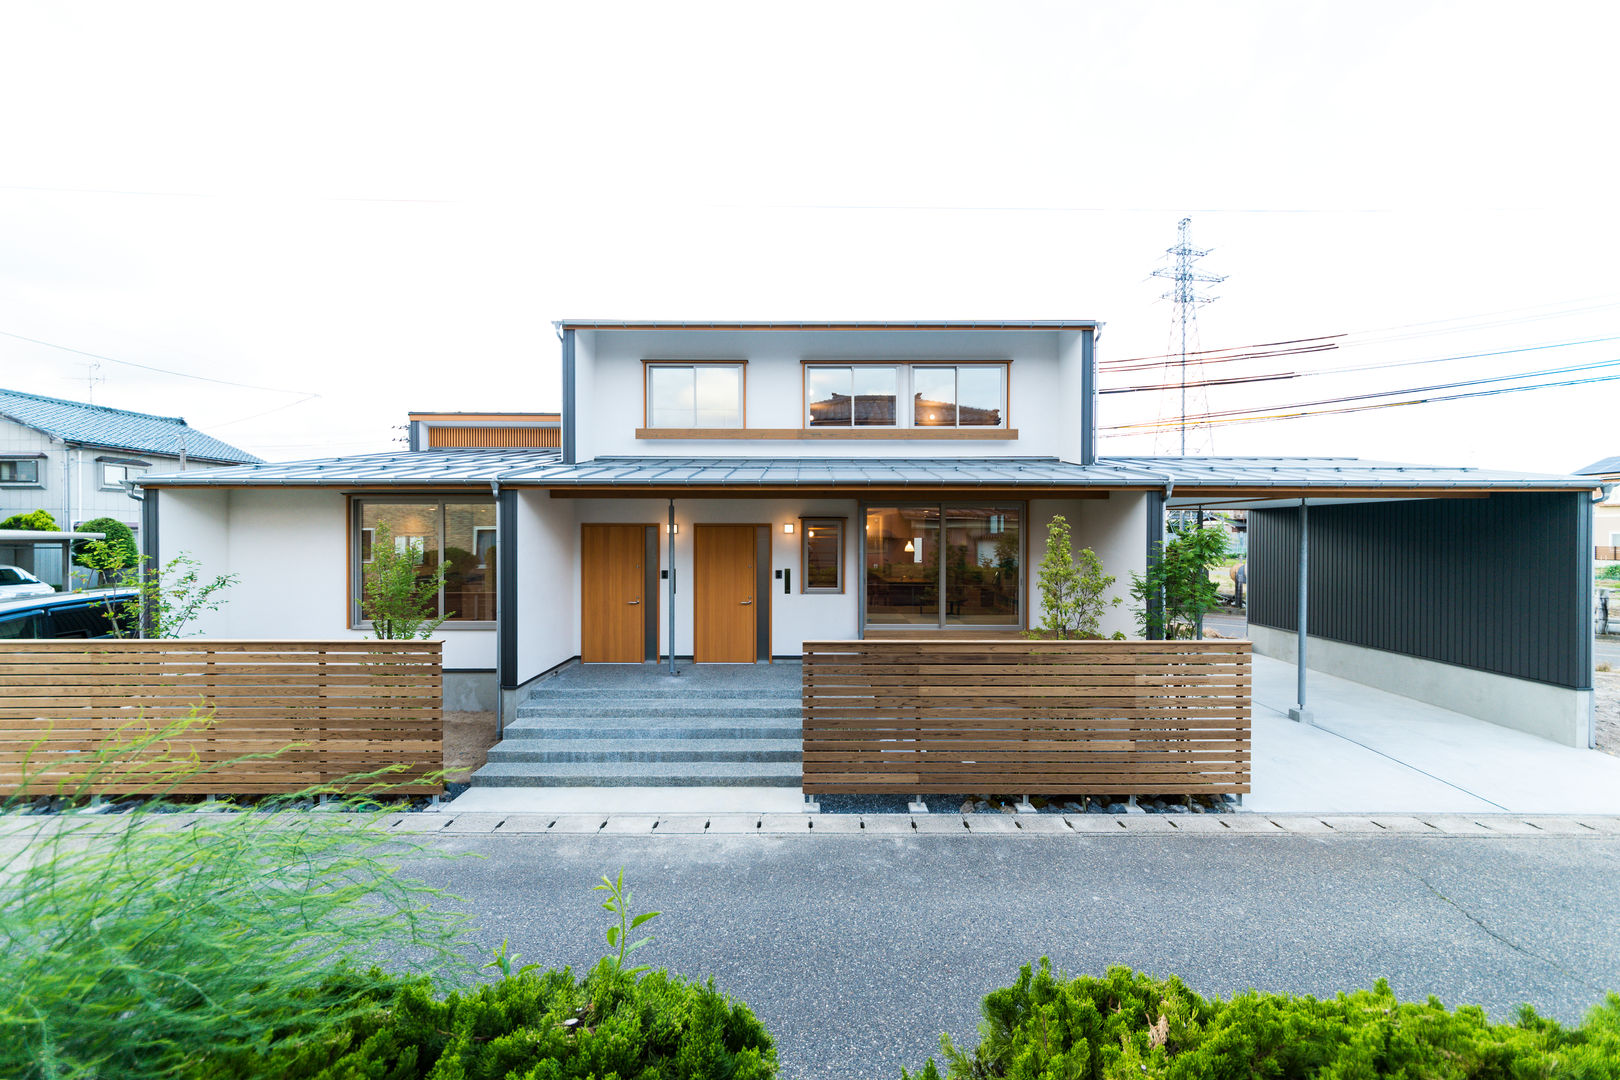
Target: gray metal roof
479 468
1609 466
116 429
855 324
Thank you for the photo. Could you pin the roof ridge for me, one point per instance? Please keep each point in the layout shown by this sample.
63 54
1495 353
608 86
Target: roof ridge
91 405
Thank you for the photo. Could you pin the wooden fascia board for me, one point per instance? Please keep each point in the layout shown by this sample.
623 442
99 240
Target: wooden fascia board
851 491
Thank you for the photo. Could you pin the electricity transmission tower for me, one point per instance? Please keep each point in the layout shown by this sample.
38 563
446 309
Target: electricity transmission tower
1184 293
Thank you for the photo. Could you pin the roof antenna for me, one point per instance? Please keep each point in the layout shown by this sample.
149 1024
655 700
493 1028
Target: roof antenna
92 378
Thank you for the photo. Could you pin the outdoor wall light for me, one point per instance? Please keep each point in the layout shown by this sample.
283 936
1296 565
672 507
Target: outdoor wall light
787 527
672 528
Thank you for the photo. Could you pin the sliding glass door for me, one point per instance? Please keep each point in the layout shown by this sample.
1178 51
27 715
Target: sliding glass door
943 566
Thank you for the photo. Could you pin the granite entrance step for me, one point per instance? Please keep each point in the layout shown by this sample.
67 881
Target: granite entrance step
638 727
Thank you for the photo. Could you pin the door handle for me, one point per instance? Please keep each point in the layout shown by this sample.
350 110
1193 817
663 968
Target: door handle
633 601
748 601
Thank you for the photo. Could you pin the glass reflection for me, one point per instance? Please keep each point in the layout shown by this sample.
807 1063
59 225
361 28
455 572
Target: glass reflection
902 565
979 400
933 394
981 566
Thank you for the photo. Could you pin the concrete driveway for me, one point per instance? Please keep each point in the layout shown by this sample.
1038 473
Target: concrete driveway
1371 751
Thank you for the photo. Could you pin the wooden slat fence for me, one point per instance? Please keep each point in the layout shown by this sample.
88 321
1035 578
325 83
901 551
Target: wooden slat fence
354 706
1036 717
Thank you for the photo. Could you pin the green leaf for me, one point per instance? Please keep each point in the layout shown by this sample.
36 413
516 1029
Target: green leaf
639 919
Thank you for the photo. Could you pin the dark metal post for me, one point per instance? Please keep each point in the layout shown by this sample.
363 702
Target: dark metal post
1299 711
671 604
570 408
506 583
1088 396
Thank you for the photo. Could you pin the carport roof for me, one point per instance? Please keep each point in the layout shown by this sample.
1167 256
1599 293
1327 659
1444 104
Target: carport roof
1268 477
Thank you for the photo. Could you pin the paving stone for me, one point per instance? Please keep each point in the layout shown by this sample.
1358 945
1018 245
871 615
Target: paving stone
1559 825
423 823
1504 825
682 825
834 824
578 823
632 824
1202 823
1345 824
1147 823
989 824
784 823
1302 823
941 824
1457 825
1402 824
526 823
733 824
1606 824
472 823
888 824
1040 824
1093 823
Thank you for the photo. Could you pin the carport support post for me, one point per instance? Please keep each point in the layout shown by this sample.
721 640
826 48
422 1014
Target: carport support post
1299 712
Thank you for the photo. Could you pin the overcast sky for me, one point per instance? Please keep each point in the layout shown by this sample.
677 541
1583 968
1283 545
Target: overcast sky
387 205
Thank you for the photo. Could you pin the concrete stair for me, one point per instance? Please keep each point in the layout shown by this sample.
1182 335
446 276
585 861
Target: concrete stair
648 737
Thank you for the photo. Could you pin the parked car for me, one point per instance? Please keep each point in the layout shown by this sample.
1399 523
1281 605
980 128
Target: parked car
16 583
98 614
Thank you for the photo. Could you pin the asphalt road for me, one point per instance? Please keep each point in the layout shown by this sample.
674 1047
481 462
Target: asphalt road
857 952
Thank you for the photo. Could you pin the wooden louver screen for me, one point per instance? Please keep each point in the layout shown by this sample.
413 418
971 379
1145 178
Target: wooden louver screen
352 706
1037 717
497 438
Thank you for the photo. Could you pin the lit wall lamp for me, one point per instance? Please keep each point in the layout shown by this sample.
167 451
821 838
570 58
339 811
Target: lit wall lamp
787 527
672 528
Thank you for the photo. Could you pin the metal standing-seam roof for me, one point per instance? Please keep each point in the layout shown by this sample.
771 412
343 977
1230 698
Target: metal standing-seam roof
116 429
1609 466
545 468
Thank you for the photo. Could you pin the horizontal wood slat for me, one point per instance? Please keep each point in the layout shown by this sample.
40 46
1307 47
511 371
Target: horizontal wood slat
1027 717
344 707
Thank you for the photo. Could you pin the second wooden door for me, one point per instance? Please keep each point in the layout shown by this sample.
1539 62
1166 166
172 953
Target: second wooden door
725 615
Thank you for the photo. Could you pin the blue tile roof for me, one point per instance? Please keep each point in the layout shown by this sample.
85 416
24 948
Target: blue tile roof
1602 467
117 429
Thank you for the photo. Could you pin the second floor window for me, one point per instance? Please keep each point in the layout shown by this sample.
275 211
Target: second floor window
19 472
874 395
862 395
700 395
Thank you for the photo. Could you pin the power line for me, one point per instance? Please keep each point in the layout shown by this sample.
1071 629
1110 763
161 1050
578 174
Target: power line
1276 376
1402 404
149 367
1229 414
1185 295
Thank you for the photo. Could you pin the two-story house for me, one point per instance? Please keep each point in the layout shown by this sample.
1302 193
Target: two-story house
78 461
726 491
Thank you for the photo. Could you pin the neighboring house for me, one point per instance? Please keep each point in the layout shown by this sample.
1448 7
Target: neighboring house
1606 516
729 491
77 460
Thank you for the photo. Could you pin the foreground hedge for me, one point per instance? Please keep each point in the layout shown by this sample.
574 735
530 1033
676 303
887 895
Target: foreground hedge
533 1026
1127 1026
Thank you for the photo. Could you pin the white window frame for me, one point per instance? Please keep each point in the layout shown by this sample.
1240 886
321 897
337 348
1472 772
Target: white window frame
905 404
648 366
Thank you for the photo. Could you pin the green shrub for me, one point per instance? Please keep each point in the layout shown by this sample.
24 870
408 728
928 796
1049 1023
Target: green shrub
543 1025
36 521
110 557
135 945
1127 1026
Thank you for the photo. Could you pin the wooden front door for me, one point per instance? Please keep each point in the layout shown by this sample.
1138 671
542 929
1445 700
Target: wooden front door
613 622
724 630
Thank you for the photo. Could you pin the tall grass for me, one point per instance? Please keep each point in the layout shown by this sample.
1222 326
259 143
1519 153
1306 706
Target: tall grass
136 944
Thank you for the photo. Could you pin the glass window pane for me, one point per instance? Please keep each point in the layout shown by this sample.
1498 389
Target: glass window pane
671 398
875 393
19 472
823 556
981 396
719 397
826 391
933 393
469 556
902 566
413 530
981 566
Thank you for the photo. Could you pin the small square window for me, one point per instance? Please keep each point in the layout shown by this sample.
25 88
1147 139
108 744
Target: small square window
823 551
694 395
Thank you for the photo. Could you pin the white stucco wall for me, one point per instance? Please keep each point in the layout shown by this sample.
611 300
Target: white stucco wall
610 390
547 583
1552 712
290 550
1115 528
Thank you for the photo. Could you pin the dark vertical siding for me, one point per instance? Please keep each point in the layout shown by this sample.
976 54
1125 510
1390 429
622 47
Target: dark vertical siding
1498 584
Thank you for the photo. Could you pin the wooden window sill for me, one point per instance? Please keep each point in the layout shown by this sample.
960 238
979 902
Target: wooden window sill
941 434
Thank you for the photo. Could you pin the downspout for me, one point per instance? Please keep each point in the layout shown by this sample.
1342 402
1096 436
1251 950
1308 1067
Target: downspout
1299 712
1602 496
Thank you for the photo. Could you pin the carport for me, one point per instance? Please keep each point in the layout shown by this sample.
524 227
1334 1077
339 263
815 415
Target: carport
1464 589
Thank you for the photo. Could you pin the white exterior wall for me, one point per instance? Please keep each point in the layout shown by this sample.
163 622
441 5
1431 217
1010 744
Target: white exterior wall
1115 528
547 564
290 550
610 391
